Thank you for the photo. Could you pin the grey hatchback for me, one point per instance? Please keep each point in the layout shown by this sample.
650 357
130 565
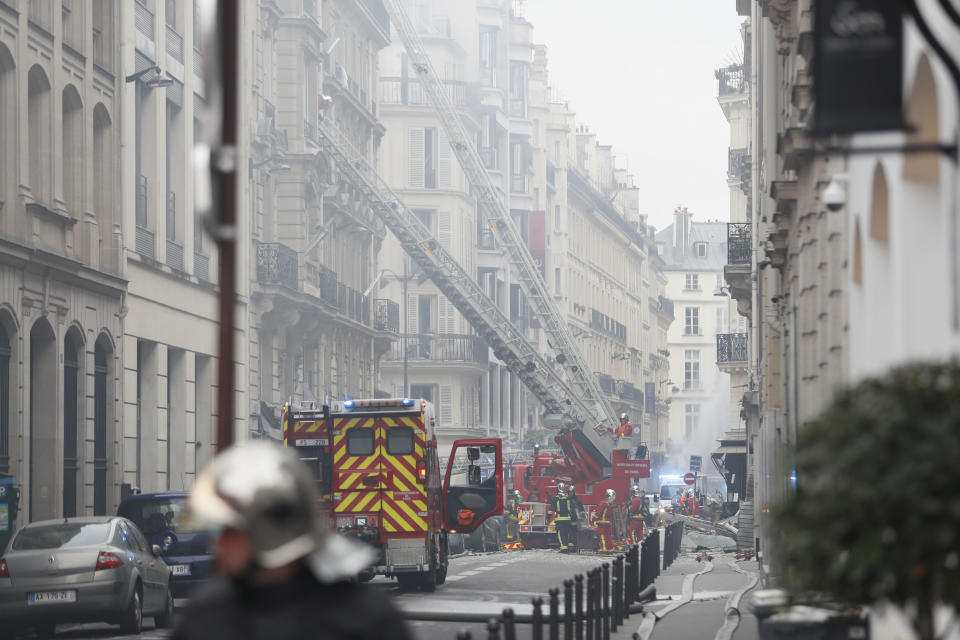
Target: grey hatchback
82 570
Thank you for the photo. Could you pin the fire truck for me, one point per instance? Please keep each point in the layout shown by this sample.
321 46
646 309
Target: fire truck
378 473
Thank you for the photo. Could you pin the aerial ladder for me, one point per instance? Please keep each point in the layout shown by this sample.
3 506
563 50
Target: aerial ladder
599 418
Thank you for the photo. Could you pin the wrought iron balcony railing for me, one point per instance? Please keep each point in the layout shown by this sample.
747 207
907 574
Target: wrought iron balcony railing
739 244
277 264
731 347
441 347
386 315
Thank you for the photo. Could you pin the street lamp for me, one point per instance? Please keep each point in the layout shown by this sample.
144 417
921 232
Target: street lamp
405 279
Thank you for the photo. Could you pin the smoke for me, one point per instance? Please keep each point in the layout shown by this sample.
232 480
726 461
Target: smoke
714 422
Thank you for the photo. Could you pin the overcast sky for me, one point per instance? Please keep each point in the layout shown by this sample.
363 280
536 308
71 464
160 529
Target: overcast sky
640 74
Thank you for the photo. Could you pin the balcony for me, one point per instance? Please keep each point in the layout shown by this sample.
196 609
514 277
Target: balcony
175 255
731 348
143 19
174 44
145 243
327 284
607 325
395 90
738 166
201 266
739 245
277 264
730 80
443 347
386 315
379 13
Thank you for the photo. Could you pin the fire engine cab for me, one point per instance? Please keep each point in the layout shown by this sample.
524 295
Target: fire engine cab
378 473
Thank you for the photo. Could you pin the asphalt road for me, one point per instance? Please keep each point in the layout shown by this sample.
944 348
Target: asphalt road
484 583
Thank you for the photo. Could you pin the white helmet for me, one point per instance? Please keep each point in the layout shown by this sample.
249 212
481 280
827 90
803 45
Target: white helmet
623 417
561 489
611 496
635 490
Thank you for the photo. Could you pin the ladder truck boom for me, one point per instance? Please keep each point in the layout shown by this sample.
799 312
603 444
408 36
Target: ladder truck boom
508 343
578 375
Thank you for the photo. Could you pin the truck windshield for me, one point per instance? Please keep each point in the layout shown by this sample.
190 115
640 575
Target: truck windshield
158 515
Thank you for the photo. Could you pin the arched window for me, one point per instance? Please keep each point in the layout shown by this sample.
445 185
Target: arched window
72 350
103 172
71 153
44 486
101 369
879 206
923 115
8 129
38 130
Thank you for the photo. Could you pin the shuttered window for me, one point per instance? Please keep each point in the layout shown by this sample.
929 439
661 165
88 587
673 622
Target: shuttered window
415 177
446 405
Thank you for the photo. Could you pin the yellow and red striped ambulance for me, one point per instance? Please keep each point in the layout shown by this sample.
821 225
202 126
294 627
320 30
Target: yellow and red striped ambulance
378 472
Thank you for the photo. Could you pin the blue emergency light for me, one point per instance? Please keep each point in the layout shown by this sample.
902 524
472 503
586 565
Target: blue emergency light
408 402
348 404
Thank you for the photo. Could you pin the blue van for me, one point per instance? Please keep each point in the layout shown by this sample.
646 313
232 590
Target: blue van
187 547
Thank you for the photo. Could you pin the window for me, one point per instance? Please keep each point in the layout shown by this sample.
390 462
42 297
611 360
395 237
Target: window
700 248
691 318
103 33
488 56
691 415
659 248
556 275
518 89
360 441
722 320
556 218
400 441
518 167
422 158
691 369
692 282
488 143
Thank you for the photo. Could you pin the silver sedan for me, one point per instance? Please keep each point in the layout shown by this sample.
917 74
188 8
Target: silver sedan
83 570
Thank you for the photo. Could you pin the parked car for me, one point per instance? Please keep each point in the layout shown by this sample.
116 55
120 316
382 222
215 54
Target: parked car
99 569
186 546
487 536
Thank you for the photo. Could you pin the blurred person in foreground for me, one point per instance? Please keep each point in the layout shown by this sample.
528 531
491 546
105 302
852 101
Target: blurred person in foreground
280 573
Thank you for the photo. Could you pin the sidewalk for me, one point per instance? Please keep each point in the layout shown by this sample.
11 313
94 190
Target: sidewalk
698 600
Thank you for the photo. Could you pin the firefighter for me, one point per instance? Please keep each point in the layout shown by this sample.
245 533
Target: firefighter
512 513
604 521
625 430
638 513
579 516
563 515
280 574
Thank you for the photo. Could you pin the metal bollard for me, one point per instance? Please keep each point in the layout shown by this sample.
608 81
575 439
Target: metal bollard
597 605
464 635
578 598
509 625
537 618
606 600
493 629
568 609
614 605
590 612
554 621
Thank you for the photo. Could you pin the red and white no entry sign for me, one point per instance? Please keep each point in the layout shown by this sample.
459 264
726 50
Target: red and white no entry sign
690 478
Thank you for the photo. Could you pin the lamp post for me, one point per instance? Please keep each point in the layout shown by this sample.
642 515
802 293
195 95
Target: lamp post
405 280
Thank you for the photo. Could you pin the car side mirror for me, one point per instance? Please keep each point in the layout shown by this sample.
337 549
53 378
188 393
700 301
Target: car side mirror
156 550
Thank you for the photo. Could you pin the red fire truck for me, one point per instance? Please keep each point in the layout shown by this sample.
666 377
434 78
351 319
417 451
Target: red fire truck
379 477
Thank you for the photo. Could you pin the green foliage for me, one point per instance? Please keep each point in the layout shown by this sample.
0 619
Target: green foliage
876 517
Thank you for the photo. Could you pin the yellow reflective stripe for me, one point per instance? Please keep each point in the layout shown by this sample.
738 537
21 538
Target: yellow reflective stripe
400 520
413 516
365 502
345 503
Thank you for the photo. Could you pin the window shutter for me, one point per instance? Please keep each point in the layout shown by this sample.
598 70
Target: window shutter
415 159
448 318
411 314
443 165
446 405
443 230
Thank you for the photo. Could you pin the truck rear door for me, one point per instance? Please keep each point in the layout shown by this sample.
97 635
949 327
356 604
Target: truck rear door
403 464
358 472
473 484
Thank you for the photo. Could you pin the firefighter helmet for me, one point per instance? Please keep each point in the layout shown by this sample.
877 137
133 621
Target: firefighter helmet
611 496
624 417
635 490
515 496
561 489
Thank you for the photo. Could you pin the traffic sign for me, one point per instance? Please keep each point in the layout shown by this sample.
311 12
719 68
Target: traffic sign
696 463
690 478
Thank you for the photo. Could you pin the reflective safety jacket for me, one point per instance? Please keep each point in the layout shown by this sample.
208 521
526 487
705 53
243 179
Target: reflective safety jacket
512 512
563 507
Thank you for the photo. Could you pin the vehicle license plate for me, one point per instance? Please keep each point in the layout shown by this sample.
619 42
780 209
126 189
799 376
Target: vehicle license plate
180 569
44 597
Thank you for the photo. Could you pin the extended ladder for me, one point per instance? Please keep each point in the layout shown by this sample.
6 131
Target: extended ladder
508 343
577 374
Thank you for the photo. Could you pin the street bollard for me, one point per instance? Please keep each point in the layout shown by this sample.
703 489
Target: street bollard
464 635
606 600
509 625
578 582
614 605
537 618
493 629
590 610
597 605
554 621
568 609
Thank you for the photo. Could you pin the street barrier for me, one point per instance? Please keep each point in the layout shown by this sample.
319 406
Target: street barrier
598 603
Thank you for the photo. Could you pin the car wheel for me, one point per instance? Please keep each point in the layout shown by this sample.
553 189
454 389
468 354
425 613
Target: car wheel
132 620
165 619
408 581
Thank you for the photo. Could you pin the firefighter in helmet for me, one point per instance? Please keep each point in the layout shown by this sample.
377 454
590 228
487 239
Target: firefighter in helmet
280 573
638 513
579 516
512 513
604 521
563 511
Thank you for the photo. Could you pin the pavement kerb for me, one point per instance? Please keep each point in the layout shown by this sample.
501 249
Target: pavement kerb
732 610
650 619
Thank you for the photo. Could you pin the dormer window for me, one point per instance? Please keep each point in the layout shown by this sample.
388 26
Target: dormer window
700 249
